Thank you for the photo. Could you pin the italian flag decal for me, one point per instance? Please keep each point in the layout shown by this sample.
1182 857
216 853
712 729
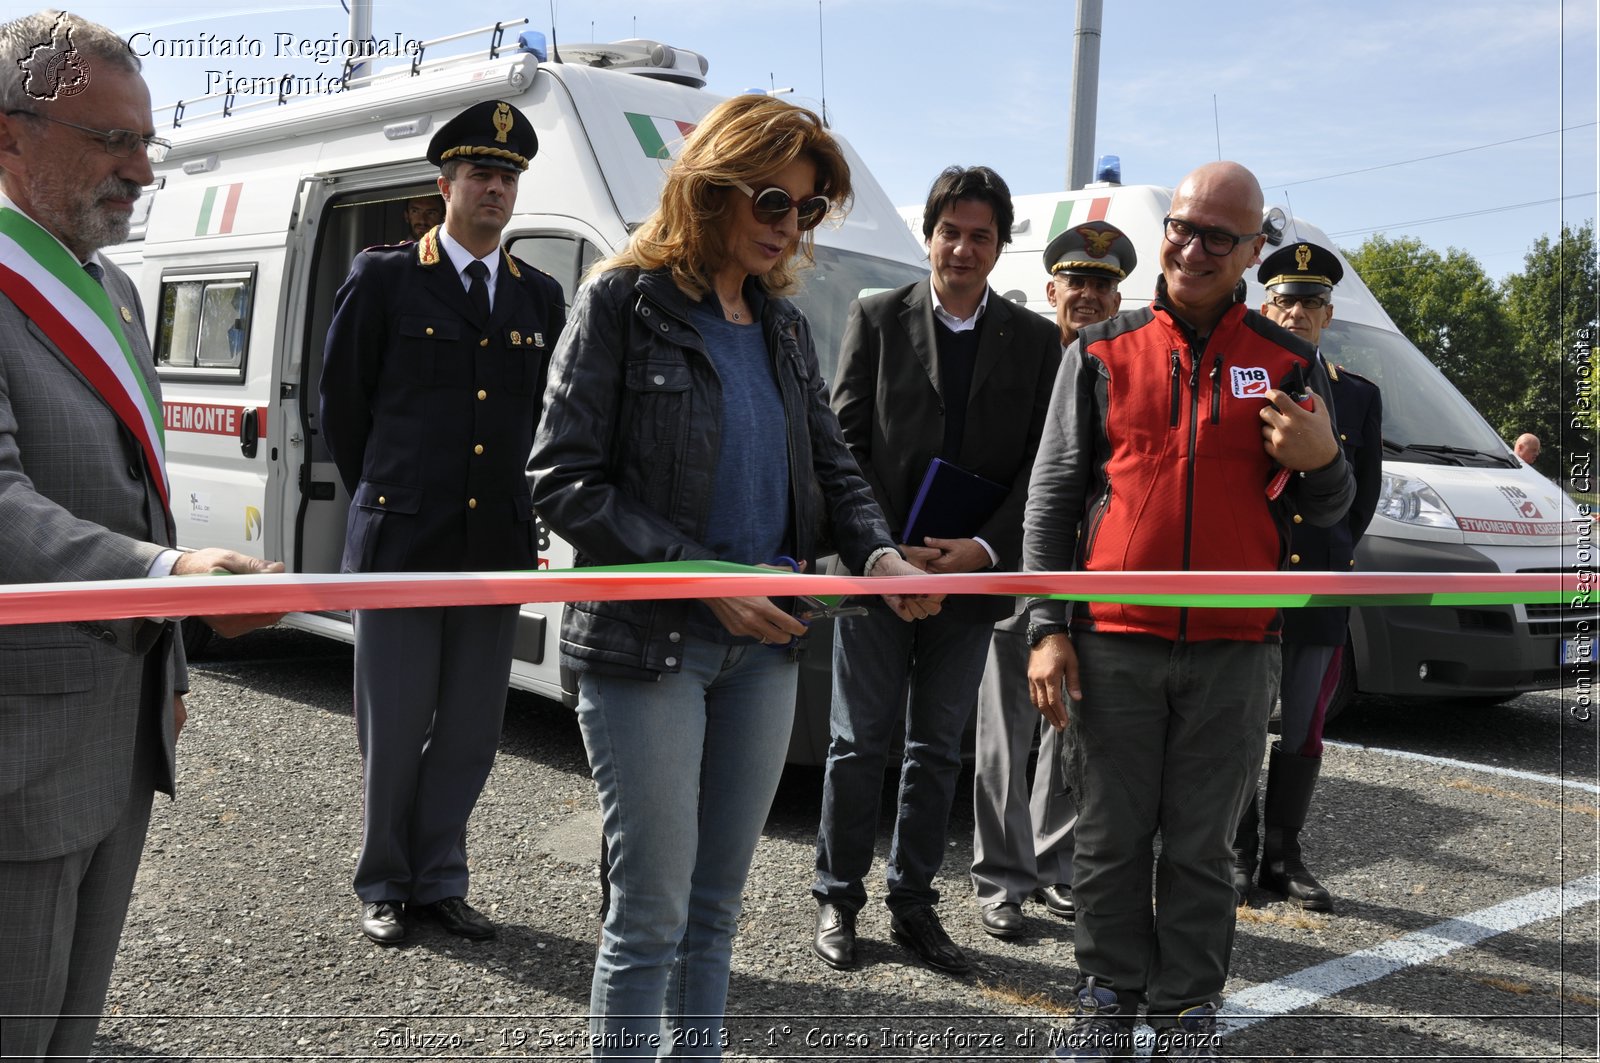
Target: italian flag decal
217 210
661 138
1070 212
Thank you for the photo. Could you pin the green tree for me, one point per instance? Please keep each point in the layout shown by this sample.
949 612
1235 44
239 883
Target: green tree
1552 305
1453 312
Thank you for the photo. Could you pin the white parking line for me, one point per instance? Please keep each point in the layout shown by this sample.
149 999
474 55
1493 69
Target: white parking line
1305 988
1467 765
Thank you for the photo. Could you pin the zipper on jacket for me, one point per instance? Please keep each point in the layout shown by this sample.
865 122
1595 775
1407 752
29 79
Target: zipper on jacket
1091 530
1188 478
1172 418
1216 391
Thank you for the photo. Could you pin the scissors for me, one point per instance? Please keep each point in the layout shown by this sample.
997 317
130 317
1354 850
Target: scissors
813 608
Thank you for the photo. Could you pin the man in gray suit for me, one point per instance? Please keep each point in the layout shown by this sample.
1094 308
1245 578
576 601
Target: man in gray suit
944 369
90 711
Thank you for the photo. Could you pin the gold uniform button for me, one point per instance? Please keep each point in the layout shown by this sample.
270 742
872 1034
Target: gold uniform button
478 449
482 395
1294 558
1343 438
484 342
1352 562
428 331
472 503
1298 518
382 501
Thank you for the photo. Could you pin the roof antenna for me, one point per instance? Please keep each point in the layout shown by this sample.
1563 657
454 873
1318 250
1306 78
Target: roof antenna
1217 121
555 54
1290 205
822 66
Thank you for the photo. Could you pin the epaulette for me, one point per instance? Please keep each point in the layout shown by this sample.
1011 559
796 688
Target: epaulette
1352 374
517 267
386 247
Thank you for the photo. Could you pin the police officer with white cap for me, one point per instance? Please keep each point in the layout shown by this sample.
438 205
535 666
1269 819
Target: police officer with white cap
1022 845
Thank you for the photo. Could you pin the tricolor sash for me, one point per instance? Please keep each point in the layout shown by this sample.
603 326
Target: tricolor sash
47 284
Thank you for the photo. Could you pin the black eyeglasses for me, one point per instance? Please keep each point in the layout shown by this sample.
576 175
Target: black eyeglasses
119 142
1289 302
1217 242
770 205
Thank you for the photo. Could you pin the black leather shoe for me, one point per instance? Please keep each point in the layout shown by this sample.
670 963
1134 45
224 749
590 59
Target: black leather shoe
835 940
919 930
383 922
1057 899
1003 919
457 917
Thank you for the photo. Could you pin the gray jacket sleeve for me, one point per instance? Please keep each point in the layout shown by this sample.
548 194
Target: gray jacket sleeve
1063 479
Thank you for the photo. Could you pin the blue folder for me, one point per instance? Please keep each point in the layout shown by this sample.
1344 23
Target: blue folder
952 503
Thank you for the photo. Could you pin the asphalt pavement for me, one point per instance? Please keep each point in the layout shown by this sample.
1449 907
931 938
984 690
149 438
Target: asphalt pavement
1460 843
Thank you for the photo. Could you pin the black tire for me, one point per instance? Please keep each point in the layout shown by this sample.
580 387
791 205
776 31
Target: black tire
196 636
1485 701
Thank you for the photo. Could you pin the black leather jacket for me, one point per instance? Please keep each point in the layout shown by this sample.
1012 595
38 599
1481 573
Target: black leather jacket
627 448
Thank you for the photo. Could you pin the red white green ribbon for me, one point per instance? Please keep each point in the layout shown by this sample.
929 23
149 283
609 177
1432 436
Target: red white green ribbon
305 592
50 286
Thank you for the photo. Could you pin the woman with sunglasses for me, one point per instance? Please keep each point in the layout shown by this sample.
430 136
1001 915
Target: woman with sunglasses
686 418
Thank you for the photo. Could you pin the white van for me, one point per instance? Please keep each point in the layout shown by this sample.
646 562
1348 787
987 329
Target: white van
256 215
1454 497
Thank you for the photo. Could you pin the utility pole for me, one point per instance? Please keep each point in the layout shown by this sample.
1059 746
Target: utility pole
361 39
1085 94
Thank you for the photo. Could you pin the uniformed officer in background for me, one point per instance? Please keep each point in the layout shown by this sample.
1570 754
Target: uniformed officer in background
422 214
1022 846
1299 278
434 367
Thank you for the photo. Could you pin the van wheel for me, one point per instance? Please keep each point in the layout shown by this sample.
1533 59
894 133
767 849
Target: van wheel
196 636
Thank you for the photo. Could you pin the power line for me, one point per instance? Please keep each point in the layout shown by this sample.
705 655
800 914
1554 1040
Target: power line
1440 155
1463 214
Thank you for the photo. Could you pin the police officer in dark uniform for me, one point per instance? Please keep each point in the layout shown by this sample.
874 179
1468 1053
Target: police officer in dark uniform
432 376
1299 278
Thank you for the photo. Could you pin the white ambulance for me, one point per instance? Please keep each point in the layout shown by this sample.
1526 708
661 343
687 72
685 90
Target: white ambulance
258 210
1454 496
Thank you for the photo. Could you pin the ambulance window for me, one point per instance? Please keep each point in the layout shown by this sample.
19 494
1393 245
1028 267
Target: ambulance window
565 257
204 326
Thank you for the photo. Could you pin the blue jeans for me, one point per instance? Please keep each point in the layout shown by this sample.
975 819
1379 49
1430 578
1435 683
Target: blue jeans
686 768
876 658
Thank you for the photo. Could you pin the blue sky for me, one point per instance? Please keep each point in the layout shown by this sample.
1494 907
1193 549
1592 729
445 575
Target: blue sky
1304 93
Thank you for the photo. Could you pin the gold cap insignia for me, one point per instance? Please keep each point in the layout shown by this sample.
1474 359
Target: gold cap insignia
502 122
1096 243
1302 258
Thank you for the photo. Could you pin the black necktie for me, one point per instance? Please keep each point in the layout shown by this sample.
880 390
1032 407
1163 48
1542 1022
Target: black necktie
478 290
93 269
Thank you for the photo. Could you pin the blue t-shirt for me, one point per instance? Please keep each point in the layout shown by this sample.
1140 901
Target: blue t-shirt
749 517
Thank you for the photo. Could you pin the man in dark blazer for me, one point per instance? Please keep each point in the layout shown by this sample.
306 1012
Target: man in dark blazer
946 369
89 711
431 381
